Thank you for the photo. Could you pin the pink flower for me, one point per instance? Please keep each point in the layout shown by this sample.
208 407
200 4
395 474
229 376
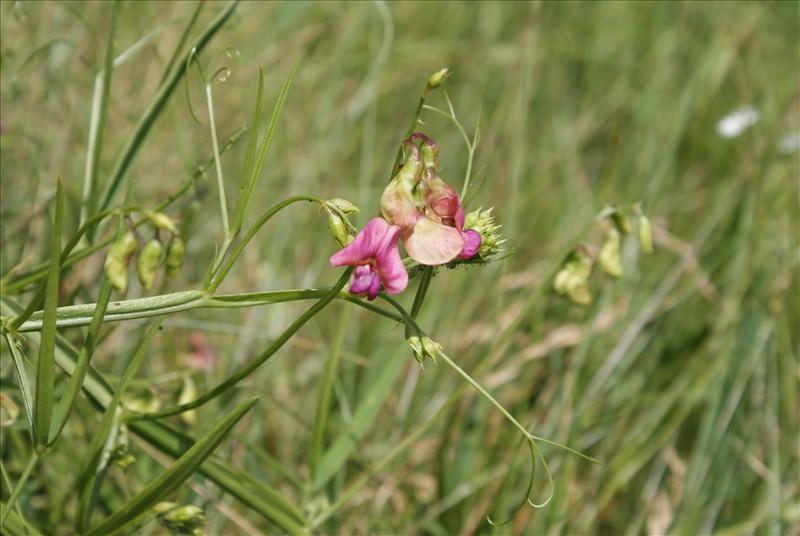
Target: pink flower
374 254
427 209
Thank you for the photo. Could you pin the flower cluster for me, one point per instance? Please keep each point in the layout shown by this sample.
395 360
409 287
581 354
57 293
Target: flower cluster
420 209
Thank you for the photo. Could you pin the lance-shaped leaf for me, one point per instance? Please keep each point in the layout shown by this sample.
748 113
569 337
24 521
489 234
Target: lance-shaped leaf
43 402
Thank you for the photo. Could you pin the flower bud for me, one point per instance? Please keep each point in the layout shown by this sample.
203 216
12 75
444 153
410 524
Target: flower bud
424 348
645 234
492 240
117 259
162 222
149 259
344 206
187 519
175 253
188 394
617 217
437 78
572 280
339 229
609 257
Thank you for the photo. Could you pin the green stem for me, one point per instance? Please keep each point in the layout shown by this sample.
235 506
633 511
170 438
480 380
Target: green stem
18 488
223 204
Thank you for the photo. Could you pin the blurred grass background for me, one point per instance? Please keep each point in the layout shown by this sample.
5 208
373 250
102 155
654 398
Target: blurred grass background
682 377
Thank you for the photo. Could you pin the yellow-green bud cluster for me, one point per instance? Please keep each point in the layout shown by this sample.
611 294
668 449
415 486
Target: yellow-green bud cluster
423 348
572 280
491 239
151 255
187 519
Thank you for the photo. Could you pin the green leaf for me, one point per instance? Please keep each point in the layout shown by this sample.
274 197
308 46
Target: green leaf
67 402
248 177
16 525
22 378
252 171
89 481
364 416
43 403
173 477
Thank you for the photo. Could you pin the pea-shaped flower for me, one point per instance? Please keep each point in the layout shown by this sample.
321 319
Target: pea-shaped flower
374 254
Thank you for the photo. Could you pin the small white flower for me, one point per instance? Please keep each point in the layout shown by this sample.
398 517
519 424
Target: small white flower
738 121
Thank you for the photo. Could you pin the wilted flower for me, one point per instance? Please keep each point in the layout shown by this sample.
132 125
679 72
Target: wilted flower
374 254
116 264
427 209
609 256
572 280
149 259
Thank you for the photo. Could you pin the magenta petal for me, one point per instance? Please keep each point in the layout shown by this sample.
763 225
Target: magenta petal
362 279
472 243
376 236
432 243
373 289
391 270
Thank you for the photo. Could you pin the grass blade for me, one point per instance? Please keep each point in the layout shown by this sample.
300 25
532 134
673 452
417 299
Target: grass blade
89 482
43 402
18 488
131 149
22 379
366 412
97 122
173 477
325 390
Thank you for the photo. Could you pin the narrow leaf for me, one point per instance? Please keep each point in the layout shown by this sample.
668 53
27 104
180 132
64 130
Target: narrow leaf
76 380
173 477
97 122
89 481
22 379
43 403
248 177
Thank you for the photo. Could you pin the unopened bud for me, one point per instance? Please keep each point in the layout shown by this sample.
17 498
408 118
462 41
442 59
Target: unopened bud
617 217
339 229
572 280
492 240
188 394
344 206
187 519
175 253
149 259
438 78
416 348
162 222
609 257
645 234
117 260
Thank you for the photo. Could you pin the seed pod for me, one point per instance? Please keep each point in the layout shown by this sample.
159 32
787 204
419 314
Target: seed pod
117 259
149 259
162 222
645 234
609 257
175 253
344 206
